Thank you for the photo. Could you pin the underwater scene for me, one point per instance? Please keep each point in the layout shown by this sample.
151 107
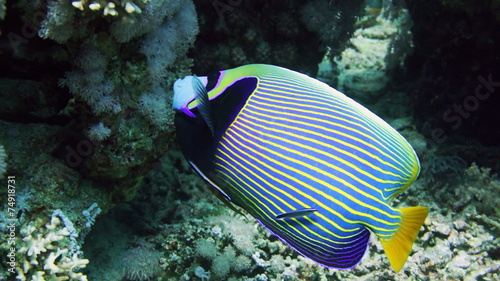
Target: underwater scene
249 140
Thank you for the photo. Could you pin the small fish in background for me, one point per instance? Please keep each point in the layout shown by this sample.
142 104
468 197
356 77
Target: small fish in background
313 166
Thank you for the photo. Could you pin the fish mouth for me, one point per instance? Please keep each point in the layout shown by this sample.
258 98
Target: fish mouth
183 95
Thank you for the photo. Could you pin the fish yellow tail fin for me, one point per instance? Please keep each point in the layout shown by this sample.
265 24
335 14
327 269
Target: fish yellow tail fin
398 247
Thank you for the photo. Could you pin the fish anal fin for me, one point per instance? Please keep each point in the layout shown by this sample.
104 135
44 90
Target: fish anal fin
398 247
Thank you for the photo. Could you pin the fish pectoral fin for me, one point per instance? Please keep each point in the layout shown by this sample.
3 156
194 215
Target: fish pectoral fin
398 247
203 102
296 213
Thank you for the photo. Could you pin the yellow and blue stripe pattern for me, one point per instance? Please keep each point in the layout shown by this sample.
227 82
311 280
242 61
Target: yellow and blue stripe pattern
315 167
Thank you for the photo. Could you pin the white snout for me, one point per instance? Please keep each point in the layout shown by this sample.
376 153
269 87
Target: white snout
184 92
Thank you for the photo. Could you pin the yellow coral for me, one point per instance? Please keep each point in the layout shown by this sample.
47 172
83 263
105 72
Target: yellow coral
43 257
111 8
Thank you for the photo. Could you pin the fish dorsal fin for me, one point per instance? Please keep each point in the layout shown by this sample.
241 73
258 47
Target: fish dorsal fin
296 213
203 102
217 190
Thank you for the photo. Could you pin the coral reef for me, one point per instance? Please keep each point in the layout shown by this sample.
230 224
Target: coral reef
113 67
73 114
293 34
204 240
376 49
98 84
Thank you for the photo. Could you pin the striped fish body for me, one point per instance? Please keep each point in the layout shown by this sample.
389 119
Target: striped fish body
310 164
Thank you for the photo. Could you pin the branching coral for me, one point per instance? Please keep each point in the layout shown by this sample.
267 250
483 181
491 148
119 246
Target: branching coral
111 8
42 255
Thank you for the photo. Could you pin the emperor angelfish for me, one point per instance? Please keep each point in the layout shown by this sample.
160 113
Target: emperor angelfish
313 166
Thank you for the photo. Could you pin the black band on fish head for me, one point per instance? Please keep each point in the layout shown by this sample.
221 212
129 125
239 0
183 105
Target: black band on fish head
212 79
